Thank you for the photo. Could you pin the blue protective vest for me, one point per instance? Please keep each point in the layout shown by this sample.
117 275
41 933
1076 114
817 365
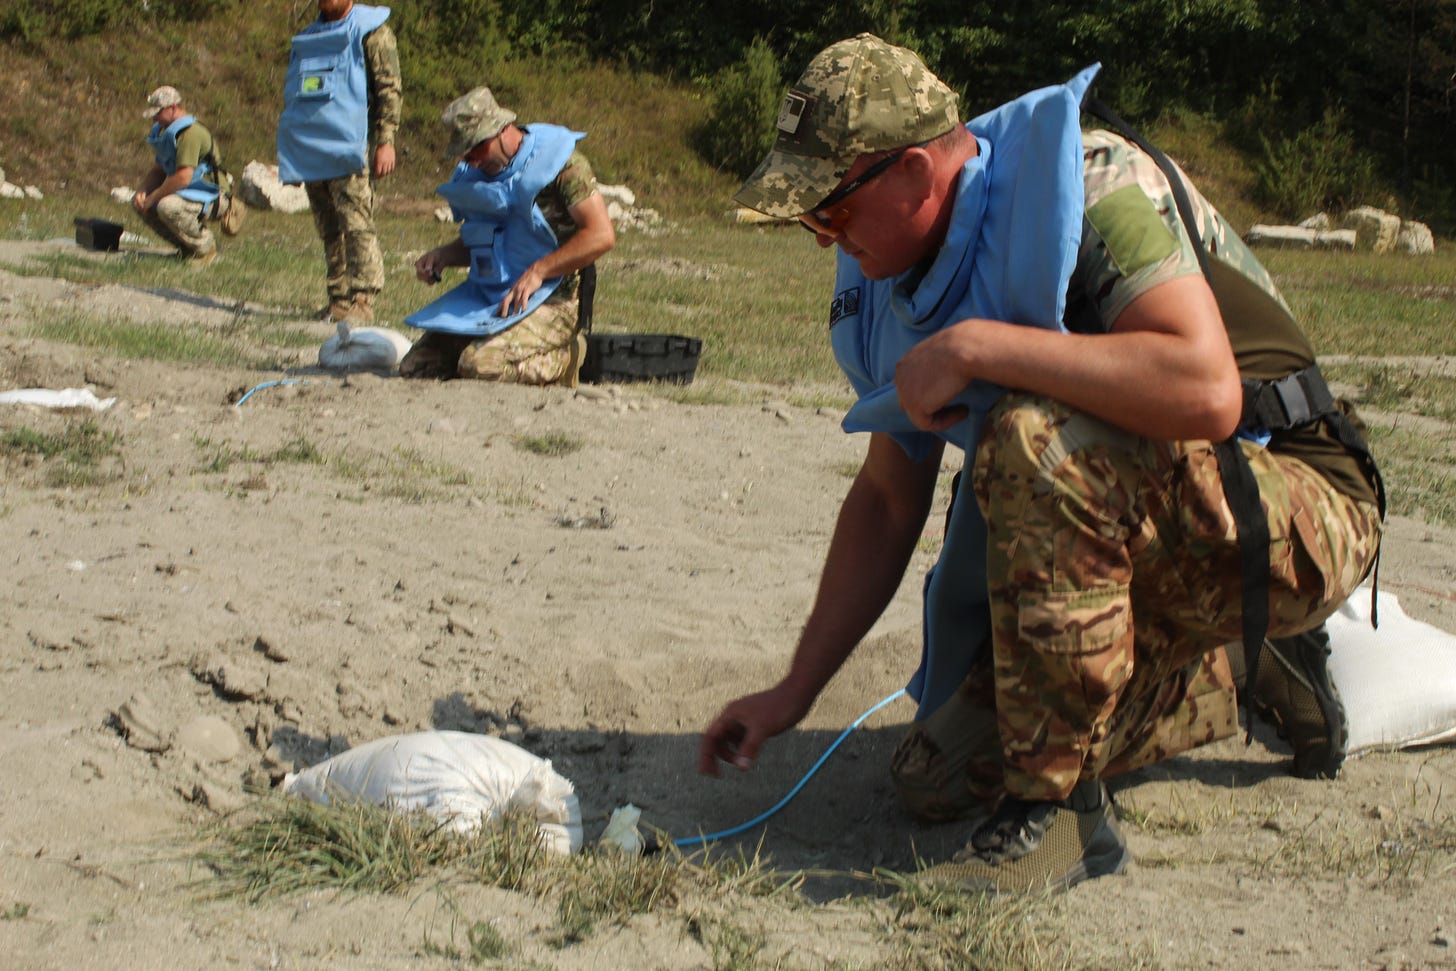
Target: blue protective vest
1008 255
323 132
164 147
505 232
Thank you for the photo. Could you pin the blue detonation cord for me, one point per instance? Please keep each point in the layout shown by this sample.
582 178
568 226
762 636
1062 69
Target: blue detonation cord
688 841
266 384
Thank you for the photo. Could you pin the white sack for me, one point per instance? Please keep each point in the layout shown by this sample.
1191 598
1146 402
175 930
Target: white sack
363 349
459 778
1398 683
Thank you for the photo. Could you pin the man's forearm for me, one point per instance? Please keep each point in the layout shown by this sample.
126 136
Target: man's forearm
874 538
170 186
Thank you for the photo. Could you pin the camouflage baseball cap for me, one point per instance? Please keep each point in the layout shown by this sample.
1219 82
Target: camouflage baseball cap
472 118
858 96
164 97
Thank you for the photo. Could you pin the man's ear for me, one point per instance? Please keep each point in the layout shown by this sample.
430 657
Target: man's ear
919 167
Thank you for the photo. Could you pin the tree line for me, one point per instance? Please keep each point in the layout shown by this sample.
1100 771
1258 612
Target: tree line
1369 84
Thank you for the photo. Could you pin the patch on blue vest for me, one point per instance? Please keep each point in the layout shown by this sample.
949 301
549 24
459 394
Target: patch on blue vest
846 304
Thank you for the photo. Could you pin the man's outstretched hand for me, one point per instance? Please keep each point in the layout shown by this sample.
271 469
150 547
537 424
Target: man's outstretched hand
740 730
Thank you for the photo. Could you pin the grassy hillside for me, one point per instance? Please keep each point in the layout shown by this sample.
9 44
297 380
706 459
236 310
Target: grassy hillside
70 111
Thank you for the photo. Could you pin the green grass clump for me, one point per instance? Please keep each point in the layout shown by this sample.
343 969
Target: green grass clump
75 457
554 444
937 927
289 845
150 342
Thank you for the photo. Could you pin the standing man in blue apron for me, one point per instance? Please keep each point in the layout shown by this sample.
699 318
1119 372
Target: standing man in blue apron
531 218
180 191
341 107
1093 335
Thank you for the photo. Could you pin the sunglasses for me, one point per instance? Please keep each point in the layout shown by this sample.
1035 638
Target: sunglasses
822 218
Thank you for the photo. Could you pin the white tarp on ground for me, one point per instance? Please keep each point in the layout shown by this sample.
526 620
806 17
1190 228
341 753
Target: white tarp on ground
1398 682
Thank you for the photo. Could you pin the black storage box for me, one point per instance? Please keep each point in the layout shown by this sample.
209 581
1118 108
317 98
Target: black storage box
640 357
98 234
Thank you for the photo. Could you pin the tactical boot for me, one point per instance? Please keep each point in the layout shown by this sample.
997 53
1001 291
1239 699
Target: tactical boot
1029 846
361 308
435 356
337 309
1294 693
233 211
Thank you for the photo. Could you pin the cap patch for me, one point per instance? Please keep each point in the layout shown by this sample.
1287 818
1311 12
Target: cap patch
795 108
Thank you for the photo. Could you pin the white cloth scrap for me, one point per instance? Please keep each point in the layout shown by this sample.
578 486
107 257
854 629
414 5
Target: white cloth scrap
46 398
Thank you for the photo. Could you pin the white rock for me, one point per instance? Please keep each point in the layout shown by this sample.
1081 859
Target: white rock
8 191
444 215
31 192
260 189
618 193
1343 239
1375 229
1415 239
1319 222
1286 237
121 195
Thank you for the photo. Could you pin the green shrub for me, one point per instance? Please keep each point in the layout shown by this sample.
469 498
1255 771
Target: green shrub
1318 168
31 21
739 129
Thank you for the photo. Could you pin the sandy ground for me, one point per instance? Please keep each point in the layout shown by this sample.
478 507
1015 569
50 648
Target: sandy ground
596 608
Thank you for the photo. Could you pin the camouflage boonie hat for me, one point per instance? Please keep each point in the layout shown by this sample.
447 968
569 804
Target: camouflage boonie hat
858 96
472 118
164 97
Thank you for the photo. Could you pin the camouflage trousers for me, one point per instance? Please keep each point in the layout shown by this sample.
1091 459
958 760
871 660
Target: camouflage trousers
546 347
343 214
1114 585
181 222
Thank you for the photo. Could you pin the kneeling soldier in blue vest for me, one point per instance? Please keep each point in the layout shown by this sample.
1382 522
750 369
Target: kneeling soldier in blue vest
181 190
1154 469
531 218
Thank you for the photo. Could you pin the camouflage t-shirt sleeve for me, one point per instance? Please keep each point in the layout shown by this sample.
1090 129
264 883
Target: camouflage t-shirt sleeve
575 183
1132 238
386 88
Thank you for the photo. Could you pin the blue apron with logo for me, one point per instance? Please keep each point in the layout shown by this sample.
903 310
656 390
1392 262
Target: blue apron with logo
323 132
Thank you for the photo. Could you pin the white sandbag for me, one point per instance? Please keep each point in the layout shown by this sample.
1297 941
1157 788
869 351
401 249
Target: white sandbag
1398 682
363 349
460 779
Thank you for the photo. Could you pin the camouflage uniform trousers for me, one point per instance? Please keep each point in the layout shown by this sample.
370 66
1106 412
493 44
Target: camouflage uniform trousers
343 214
1115 583
545 348
181 222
